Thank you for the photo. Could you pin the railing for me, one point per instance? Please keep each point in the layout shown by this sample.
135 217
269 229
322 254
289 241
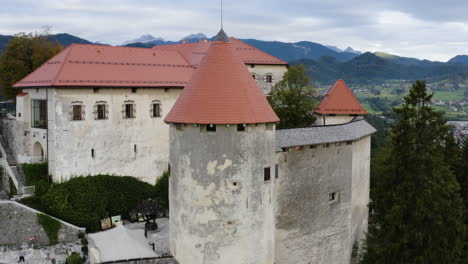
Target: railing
6 167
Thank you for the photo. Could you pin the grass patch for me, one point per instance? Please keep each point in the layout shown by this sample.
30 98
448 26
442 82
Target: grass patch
51 227
448 95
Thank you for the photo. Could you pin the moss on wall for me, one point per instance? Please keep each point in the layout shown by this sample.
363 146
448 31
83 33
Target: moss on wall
51 227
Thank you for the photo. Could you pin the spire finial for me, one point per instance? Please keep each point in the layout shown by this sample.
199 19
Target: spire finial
221 14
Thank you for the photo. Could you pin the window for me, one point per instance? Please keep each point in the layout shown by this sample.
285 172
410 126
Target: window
332 197
77 112
240 127
252 65
39 114
134 90
156 109
101 111
211 128
266 174
92 153
312 146
268 78
276 171
129 110
254 76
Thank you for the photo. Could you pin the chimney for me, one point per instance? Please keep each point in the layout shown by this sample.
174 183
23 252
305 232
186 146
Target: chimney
185 41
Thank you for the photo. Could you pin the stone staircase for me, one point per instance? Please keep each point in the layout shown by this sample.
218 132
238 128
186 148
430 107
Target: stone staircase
17 172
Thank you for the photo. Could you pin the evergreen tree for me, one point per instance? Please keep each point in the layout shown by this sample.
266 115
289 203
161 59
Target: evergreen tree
293 99
22 55
417 211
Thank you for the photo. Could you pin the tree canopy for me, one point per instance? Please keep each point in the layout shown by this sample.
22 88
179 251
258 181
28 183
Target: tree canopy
293 99
23 54
417 211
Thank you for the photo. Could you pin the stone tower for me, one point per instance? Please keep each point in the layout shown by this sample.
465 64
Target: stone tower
222 162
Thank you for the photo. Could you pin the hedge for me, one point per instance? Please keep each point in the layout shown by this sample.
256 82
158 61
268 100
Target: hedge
162 190
84 201
51 227
74 258
37 175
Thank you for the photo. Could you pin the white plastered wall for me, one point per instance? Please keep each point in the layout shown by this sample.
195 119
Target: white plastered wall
277 71
113 140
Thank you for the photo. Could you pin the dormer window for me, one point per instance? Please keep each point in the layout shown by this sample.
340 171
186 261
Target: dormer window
156 109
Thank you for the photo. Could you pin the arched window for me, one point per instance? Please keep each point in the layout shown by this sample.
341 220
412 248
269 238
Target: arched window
101 110
77 111
156 109
129 109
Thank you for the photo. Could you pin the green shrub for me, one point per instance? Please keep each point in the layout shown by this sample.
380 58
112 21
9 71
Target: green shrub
33 202
162 190
74 258
51 227
13 190
37 175
84 201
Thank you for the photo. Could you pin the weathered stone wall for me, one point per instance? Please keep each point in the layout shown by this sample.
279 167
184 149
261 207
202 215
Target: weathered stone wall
323 120
277 71
360 189
221 207
136 147
19 223
168 260
309 227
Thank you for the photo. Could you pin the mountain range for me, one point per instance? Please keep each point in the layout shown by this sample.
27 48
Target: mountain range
324 63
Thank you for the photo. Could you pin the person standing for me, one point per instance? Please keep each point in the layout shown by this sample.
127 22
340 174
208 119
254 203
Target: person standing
21 256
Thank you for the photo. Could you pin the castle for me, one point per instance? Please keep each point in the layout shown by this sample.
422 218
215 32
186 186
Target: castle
240 190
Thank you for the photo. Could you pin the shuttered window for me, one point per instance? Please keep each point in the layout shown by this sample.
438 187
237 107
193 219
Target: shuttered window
156 110
129 110
77 111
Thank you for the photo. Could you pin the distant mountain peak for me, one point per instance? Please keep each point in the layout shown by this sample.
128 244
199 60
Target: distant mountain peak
459 59
195 36
335 48
143 39
351 50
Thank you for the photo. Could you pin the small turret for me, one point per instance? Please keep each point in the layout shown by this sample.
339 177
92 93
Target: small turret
339 106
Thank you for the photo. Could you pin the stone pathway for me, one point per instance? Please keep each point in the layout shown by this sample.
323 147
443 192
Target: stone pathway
45 255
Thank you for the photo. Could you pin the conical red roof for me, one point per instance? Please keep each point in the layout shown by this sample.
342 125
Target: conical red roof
221 91
340 100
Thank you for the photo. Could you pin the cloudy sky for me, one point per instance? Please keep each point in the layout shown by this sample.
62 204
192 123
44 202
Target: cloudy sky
426 29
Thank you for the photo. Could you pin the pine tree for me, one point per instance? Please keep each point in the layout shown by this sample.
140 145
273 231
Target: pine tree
417 211
293 99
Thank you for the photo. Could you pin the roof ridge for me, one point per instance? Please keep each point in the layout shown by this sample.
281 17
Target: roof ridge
62 66
244 43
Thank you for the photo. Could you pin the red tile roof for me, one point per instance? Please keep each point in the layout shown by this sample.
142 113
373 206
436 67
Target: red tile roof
340 100
21 94
194 52
107 66
221 91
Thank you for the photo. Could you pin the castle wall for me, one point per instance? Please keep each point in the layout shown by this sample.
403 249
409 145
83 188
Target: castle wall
327 120
277 71
19 224
360 188
128 147
221 207
311 228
